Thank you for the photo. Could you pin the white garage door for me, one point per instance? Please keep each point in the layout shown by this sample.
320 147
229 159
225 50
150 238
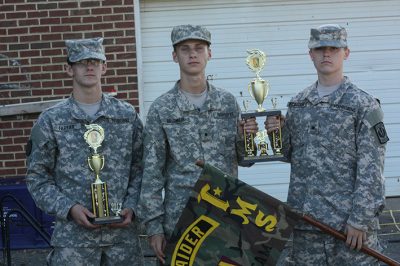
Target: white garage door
281 30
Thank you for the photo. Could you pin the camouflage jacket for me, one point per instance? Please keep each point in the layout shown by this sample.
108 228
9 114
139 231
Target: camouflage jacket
59 176
336 147
176 135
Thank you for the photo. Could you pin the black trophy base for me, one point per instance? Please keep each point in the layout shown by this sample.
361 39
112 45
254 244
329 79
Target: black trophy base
263 158
106 220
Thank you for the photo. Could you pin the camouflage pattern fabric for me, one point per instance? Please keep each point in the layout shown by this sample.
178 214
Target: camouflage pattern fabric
176 135
190 32
84 49
112 255
331 35
317 248
227 222
58 174
336 147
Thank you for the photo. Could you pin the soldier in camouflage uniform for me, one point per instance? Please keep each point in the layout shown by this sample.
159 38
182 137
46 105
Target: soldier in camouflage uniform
59 177
193 121
335 140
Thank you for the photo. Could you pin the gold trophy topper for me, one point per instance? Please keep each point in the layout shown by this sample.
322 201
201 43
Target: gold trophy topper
258 88
256 60
94 136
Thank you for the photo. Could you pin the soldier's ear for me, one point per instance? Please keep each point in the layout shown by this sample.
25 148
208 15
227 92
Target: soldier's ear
68 69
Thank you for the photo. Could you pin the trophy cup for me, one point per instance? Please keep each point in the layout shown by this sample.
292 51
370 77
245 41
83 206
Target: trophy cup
94 136
258 90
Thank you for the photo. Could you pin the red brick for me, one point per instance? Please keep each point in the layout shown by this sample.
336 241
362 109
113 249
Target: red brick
22 124
80 12
59 75
53 68
111 80
5 125
116 33
71 20
9 39
7 8
90 4
12 132
52 84
93 34
62 91
39 61
29 38
58 13
111 2
38 14
17 78
21 93
126 9
12 148
47 6
127 24
21 140
20 156
16 15
39 29
25 7
29 53
83 27
14 163
69 36
50 21
68 5
6 156
95 19
63 28
99 11
41 76
17 31
9 172
38 92
113 18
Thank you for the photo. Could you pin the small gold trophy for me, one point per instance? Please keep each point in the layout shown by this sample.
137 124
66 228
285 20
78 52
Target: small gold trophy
94 136
258 90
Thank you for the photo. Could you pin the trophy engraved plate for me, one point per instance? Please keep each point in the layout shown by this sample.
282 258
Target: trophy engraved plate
94 136
258 89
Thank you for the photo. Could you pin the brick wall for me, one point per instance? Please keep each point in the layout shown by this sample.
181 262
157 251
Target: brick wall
32 55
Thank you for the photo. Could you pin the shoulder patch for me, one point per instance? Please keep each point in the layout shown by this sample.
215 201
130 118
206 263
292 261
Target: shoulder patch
381 133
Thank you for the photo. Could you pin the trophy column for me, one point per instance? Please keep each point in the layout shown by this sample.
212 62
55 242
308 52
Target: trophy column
258 90
94 136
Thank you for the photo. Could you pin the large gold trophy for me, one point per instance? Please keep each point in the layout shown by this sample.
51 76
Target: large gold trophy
94 136
258 89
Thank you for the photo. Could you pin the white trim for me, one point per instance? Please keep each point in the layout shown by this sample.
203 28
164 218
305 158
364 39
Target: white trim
139 59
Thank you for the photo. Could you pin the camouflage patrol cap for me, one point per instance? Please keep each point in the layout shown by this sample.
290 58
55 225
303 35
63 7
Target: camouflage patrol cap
331 35
190 32
85 49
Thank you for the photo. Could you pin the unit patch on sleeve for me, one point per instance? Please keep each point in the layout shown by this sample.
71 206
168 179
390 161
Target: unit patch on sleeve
381 133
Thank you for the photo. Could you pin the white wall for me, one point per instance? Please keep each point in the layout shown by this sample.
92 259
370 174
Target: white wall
281 29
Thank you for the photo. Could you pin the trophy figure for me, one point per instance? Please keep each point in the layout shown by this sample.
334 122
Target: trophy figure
258 89
94 136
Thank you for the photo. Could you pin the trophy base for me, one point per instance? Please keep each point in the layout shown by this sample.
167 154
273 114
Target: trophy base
263 113
264 158
106 220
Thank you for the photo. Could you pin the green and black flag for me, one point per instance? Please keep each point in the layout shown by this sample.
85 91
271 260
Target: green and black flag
228 222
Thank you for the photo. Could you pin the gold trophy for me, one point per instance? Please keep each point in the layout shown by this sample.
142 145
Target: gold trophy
258 90
94 136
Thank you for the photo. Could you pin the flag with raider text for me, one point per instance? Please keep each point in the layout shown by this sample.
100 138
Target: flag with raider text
227 222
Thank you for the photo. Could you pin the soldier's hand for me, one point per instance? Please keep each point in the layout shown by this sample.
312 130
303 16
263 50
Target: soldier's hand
355 238
80 215
273 123
158 243
128 216
249 124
